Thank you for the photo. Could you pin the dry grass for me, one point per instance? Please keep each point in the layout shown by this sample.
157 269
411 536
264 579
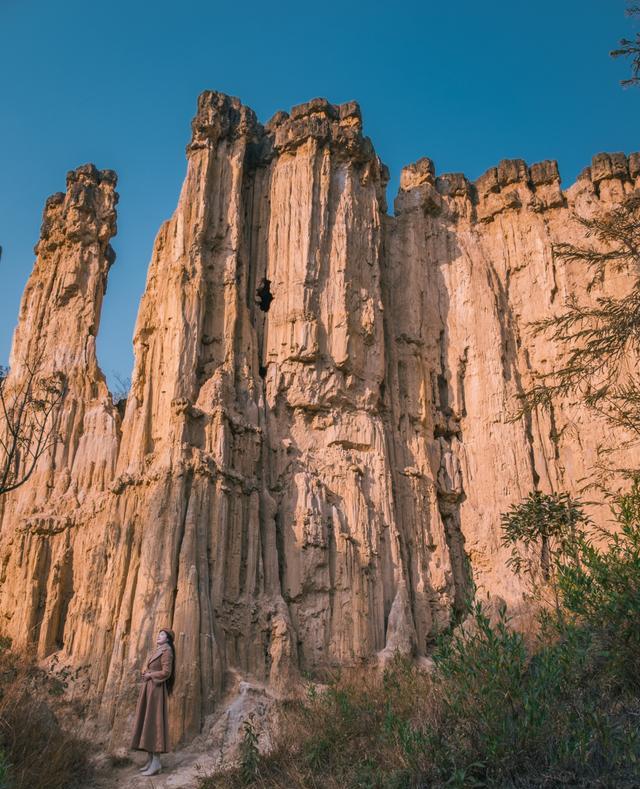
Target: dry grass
35 751
491 714
323 741
559 707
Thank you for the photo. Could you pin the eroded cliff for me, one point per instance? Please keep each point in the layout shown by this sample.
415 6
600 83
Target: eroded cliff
315 450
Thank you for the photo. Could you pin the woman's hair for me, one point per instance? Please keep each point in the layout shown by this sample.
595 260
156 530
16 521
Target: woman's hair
169 682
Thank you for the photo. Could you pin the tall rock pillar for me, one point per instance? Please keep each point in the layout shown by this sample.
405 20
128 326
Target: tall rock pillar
56 332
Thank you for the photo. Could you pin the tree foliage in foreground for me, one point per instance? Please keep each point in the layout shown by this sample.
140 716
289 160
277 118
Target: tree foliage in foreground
597 342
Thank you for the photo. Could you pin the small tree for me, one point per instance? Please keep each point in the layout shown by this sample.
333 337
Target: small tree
543 531
249 754
630 48
28 410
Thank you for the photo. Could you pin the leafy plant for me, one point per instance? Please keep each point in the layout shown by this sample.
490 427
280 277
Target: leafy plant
600 591
249 754
544 531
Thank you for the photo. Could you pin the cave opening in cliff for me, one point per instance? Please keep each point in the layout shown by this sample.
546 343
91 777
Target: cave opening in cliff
264 297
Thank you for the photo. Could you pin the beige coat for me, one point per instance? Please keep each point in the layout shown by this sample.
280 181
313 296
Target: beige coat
151 727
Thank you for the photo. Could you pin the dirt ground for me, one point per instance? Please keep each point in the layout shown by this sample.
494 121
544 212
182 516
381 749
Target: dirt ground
180 770
215 748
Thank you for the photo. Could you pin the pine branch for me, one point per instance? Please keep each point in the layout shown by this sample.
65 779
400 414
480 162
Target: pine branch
598 342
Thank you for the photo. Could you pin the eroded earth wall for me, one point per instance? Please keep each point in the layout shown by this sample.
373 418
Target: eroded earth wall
316 448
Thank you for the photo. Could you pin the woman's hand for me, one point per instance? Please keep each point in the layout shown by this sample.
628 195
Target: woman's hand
146 675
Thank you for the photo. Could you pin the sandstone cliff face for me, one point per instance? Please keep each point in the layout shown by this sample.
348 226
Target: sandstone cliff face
480 265
316 433
58 323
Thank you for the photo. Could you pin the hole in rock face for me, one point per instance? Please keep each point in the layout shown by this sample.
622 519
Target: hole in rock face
263 371
264 297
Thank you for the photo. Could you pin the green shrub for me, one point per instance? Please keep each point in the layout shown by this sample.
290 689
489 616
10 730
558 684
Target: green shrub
249 754
600 591
509 714
496 710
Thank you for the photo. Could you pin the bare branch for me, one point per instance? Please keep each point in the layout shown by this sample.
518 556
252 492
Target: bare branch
28 412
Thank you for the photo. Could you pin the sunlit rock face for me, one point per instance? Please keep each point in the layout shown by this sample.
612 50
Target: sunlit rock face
316 449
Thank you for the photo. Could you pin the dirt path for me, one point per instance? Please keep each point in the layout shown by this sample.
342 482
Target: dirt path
214 749
180 770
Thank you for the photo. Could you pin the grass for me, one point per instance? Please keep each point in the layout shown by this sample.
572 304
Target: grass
35 751
500 709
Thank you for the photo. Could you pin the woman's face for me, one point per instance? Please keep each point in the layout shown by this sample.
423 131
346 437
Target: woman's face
162 638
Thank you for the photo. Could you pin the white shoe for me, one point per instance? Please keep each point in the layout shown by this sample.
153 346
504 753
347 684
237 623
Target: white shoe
146 767
154 768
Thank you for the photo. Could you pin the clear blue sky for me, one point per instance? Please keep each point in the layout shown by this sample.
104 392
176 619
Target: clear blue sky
466 83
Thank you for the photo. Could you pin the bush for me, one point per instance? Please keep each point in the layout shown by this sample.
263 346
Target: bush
495 710
600 591
510 718
35 752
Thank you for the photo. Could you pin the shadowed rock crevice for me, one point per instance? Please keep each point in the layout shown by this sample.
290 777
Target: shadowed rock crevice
264 297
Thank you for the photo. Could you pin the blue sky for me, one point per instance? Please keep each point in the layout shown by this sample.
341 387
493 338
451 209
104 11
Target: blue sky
465 83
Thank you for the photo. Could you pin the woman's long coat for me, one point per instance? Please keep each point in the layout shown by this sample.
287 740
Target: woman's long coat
151 726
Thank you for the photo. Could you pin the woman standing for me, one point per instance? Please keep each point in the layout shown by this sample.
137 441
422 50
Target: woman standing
151 727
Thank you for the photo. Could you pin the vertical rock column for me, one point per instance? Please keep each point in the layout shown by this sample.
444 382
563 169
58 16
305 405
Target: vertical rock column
167 486
341 551
424 412
188 488
57 327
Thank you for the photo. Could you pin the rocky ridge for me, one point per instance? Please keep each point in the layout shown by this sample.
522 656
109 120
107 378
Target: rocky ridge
315 451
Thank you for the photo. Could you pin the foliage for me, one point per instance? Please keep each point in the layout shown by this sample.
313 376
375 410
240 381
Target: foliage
249 754
597 342
630 48
514 718
596 586
496 710
28 409
600 590
551 523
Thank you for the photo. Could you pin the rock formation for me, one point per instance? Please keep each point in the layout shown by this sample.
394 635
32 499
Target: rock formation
58 324
315 451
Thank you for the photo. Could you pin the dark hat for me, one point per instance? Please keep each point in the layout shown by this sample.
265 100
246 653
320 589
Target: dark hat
169 632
